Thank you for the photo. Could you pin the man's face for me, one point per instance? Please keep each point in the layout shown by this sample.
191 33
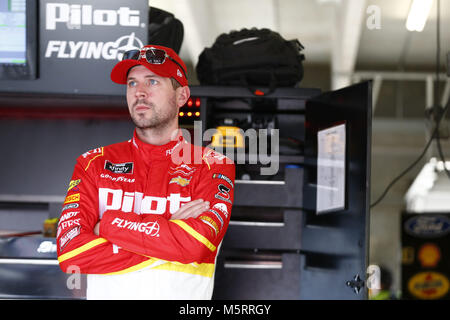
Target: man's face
151 99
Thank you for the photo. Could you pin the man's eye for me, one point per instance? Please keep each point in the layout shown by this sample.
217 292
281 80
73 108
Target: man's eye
153 82
132 84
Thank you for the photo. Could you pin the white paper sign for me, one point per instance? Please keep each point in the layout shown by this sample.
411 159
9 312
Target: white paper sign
331 169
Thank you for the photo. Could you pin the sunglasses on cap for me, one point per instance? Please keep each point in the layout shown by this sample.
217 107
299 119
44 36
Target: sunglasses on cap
152 55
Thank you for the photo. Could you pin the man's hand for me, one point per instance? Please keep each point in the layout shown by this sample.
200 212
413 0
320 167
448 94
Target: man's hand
97 229
191 210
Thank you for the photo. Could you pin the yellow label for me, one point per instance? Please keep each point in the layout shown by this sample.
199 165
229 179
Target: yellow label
428 285
407 255
228 137
73 184
429 255
211 222
72 198
181 181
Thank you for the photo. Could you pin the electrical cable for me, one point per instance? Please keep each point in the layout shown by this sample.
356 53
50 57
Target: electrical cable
436 129
441 154
438 48
436 92
435 132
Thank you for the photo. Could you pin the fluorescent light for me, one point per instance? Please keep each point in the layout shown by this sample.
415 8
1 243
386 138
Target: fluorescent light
418 15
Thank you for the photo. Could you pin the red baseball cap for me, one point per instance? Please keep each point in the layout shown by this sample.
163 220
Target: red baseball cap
172 66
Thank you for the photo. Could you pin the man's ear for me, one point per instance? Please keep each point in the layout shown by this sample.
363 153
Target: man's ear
182 95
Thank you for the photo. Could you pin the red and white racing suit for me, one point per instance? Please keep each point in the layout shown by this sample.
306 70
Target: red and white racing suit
133 188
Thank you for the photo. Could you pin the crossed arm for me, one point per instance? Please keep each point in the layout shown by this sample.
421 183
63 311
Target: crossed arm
189 210
192 234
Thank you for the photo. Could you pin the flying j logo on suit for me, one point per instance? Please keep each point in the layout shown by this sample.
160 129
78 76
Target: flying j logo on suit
149 228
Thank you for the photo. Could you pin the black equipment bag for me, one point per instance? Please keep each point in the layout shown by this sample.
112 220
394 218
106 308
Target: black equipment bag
252 58
164 29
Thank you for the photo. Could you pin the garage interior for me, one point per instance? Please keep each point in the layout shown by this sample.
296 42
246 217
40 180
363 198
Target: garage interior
347 42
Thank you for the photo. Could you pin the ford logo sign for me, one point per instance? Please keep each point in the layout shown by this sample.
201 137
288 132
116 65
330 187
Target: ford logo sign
427 226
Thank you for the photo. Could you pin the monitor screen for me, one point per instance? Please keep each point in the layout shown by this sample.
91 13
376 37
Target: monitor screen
17 39
13 32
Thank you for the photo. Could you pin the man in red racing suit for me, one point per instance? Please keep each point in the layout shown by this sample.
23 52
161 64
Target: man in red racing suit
126 222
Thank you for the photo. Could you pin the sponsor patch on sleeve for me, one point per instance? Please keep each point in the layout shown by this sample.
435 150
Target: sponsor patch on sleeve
70 206
73 184
211 156
72 198
223 177
68 236
223 193
217 215
221 207
92 153
210 222
90 156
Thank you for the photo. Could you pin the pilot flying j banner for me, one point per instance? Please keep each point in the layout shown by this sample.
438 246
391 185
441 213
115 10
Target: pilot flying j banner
81 41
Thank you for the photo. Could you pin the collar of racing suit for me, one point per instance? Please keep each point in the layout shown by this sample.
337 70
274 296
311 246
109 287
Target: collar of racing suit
153 152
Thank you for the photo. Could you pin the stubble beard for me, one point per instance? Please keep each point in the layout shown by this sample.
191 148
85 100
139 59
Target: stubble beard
159 119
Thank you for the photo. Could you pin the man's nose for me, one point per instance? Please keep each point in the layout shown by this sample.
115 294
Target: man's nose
140 91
